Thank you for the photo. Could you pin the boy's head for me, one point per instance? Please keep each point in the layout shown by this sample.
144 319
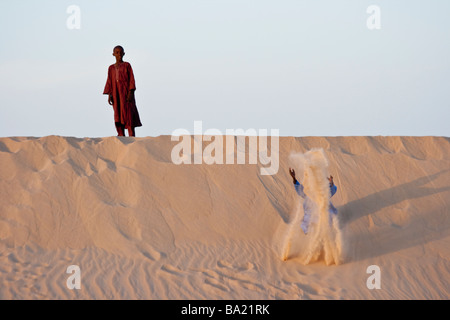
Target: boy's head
118 52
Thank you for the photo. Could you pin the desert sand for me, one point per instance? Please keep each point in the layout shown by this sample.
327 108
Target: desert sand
139 226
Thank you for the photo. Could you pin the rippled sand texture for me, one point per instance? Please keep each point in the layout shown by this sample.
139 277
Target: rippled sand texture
141 227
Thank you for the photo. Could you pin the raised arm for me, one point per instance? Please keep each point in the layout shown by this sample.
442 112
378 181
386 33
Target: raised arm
292 172
333 188
297 185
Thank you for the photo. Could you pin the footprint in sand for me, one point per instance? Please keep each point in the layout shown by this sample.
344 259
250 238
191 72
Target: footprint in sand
245 267
172 270
217 284
149 252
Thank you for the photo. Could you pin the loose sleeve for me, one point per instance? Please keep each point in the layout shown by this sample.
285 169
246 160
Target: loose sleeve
132 83
108 85
299 188
333 190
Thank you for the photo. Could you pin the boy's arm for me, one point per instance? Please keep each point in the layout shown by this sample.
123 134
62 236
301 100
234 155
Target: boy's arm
299 188
108 88
132 84
108 85
333 189
110 100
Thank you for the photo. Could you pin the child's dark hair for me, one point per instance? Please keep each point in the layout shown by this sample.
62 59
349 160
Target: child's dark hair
120 47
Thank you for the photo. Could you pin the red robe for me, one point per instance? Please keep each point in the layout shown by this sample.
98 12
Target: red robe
119 83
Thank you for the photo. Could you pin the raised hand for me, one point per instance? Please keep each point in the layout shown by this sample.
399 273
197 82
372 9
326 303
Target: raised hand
330 179
292 172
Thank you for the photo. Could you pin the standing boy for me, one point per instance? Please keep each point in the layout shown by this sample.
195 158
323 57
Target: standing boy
120 87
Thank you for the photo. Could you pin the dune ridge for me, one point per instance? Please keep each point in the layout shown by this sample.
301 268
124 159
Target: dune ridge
141 227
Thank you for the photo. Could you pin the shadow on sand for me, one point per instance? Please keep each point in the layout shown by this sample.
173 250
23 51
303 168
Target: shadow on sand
420 229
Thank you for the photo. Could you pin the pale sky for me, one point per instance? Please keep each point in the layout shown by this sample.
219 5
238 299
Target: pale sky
306 68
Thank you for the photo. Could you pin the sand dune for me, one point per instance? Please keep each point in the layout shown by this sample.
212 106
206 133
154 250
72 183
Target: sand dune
140 227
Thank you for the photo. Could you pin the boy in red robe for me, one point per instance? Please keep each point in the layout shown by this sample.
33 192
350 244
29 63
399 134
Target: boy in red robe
120 87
